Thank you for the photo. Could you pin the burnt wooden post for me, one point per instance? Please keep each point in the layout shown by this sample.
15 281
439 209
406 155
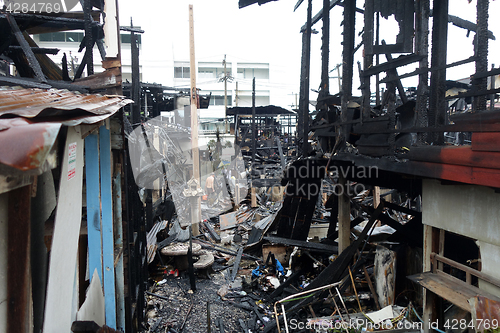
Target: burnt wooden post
422 9
437 102
481 54
18 260
30 56
377 59
89 43
254 136
347 59
303 123
368 57
344 210
325 52
136 97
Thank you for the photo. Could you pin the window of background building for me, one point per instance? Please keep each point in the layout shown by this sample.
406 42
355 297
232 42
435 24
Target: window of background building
206 73
70 37
219 100
250 73
212 72
125 38
181 72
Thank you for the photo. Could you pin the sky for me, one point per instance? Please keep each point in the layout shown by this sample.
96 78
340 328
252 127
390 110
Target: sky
271 33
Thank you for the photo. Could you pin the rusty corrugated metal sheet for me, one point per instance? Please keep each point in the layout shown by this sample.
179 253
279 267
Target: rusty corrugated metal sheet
25 145
30 120
485 314
30 103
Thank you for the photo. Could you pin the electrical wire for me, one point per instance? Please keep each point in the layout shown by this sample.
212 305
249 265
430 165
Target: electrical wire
436 329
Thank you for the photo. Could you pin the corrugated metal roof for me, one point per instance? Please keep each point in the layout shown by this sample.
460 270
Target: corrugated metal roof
30 120
30 103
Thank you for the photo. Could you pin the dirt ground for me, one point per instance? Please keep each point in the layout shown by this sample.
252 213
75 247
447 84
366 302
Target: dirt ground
169 315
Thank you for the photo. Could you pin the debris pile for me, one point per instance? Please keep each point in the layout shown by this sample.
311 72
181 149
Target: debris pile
252 274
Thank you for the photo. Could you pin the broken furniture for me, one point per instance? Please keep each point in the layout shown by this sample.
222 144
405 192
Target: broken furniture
180 253
451 288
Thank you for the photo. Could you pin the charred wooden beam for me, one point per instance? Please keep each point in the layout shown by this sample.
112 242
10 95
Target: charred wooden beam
358 10
464 24
38 23
303 244
18 260
347 61
385 219
83 64
65 73
209 319
335 271
319 16
32 60
24 82
224 250
136 96
36 50
437 102
422 12
368 58
236 265
325 52
254 128
476 94
303 118
425 70
462 127
344 218
211 231
132 29
481 53
494 71
87 7
393 73
398 62
98 41
157 296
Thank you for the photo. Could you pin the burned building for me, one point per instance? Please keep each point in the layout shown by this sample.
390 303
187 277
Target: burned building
72 242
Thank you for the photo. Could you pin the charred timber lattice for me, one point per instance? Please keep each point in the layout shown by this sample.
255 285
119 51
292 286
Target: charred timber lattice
481 53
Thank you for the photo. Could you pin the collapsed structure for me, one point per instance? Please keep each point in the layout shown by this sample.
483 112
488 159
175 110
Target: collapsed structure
422 145
404 182
72 243
378 201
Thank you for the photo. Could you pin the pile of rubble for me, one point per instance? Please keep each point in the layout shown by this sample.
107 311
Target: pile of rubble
248 275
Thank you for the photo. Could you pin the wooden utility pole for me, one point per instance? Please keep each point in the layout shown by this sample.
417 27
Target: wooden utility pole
136 84
225 86
236 94
195 207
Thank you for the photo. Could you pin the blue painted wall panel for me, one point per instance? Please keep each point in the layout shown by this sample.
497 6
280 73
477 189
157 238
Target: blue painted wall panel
107 227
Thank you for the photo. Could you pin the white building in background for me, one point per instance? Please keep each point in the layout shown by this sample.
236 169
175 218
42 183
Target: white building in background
210 79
